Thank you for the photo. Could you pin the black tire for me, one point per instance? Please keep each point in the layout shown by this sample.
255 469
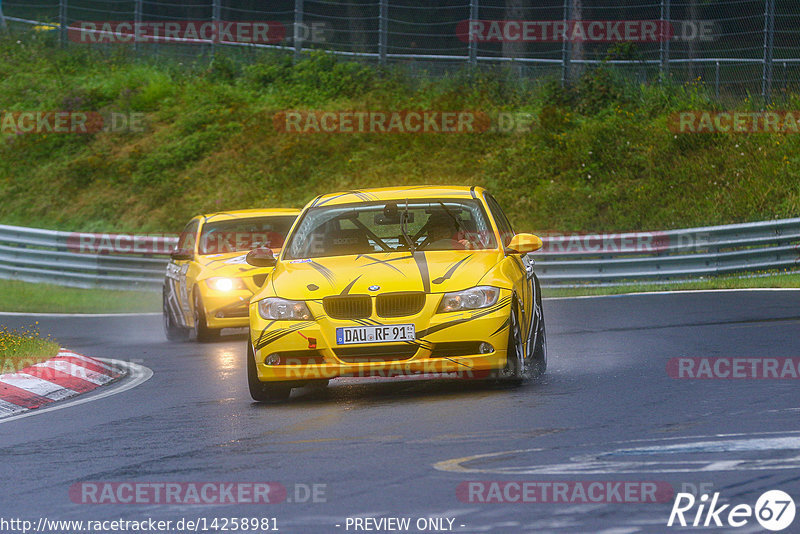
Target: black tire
172 330
537 350
514 372
538 361
201 330
262 391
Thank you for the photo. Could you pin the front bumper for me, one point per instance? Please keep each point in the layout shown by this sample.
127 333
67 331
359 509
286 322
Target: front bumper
446 343
226 309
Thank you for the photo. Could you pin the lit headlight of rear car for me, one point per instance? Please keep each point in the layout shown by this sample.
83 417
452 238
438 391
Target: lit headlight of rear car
470 299
277 309
220 283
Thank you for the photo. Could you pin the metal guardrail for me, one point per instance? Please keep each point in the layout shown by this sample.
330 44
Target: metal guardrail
690 253
37 255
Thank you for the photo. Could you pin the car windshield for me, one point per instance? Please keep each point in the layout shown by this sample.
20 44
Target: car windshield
236 235
397 225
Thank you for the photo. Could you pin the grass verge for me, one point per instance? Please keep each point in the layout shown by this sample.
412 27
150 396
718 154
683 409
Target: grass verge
23 348
776 280
18 296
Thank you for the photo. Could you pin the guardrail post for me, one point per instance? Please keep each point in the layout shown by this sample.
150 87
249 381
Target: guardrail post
716 80
298 23
473 45
383 30
664 38
63 22
769 34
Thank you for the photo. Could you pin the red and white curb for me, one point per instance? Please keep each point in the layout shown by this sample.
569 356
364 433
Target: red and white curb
66 375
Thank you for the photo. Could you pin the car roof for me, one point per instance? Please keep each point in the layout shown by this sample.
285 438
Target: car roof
244 214
398 193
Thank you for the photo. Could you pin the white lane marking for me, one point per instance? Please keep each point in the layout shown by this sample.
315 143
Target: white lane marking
7 408
678 291
36 385
755 444
136 375
76 370
594 465
64 352
27 314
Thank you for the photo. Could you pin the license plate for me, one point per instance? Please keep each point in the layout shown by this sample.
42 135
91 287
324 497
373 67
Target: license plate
350 335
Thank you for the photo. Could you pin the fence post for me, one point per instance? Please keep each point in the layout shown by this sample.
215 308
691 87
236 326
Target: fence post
215 16
137 22
565 47
3 26
298 23
665 37
769 30
473 45
383 30
62 22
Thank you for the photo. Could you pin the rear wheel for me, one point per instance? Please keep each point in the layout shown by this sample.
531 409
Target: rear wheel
172 330
201 329
263 391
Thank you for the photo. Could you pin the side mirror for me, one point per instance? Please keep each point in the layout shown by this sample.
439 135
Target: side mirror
261 257
181 255
524 243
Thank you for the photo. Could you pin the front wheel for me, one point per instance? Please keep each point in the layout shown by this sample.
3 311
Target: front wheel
263 391
514 371
172 330
201 329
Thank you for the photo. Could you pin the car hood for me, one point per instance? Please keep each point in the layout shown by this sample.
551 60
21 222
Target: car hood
431 272
230 264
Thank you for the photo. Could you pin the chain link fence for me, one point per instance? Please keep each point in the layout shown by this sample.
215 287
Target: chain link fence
740 47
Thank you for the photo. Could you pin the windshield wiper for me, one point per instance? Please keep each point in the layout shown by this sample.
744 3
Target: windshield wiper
404 229
457 220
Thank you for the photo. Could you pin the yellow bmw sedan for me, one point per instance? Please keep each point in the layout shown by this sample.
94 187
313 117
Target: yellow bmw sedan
208 284
426 281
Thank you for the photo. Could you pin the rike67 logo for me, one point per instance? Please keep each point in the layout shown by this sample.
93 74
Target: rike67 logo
774 510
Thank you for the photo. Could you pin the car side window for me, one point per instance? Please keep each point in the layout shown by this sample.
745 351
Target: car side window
188 238
503 225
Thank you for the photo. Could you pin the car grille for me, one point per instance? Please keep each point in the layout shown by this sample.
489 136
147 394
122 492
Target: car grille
348 307
399 304
375 354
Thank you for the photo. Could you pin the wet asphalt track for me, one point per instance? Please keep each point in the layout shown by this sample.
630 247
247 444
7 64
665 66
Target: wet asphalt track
374 445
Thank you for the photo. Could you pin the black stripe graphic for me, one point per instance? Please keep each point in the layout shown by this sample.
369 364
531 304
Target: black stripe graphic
422 265
451 270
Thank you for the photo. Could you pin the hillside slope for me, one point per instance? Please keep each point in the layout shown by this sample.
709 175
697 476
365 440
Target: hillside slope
599 156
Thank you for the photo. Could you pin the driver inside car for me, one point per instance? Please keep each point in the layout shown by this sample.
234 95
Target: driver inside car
444 233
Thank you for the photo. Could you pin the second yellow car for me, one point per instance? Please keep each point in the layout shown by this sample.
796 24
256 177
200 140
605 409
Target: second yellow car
208 283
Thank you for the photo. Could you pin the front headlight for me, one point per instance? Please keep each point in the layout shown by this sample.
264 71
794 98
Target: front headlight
277 309
221 283
470 299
